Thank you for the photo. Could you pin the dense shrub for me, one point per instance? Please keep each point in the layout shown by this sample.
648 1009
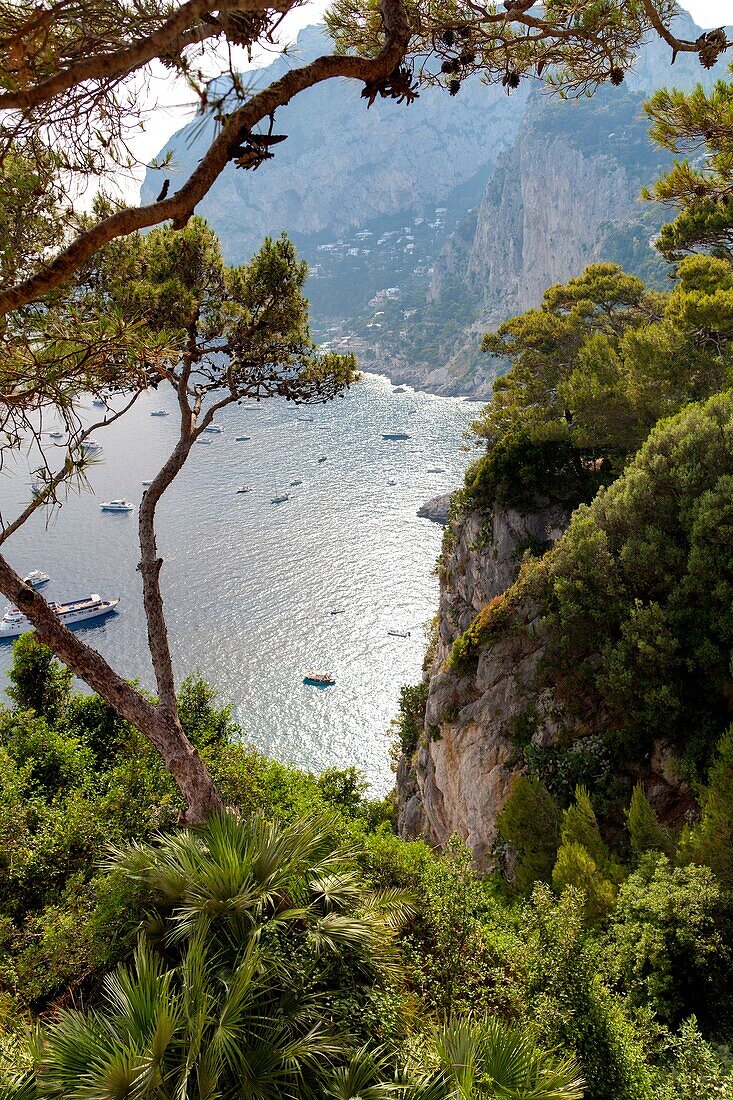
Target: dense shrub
671 941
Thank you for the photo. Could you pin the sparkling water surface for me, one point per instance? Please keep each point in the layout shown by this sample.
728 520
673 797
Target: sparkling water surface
249 585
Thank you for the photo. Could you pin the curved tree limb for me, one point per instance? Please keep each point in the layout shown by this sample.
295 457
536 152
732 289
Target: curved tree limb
184 28
180 757
180 206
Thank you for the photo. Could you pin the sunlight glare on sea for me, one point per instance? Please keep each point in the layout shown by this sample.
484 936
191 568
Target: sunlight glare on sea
250 585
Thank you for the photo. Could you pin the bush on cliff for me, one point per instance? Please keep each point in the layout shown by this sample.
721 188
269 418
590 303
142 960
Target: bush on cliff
644 578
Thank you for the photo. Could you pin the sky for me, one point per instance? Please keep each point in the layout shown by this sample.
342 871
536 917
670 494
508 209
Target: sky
173 110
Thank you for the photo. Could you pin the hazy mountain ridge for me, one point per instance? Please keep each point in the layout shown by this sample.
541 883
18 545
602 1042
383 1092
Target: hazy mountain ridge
464 208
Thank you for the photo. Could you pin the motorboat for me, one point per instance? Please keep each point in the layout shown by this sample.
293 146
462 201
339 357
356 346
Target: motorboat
37 487
338 611
99 403
214 429
56 435
244 489
117 506
91 446
391 483
296 482
71 613
204 442
147 484
319 679
436 470
159 412
280 499
36 579
305 419
323 458
395 435
399 633
243 438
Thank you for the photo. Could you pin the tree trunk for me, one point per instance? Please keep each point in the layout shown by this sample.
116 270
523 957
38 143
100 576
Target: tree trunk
162 728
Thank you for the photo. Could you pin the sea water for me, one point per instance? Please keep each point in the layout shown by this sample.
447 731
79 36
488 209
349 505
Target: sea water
249 586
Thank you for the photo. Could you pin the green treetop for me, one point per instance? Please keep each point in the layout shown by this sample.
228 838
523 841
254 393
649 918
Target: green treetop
593 369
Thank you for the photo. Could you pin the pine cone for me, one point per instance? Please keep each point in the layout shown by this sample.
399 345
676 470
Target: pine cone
711 45
617 75
454 87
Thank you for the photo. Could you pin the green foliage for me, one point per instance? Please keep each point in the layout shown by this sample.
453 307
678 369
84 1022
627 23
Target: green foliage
685 121
670 943
692 1069
710 841
490 624
256 927
644 578
491 1059
410 719
591 372
530 825
520 471
645 831
573 1009
459 941
38 681
584 861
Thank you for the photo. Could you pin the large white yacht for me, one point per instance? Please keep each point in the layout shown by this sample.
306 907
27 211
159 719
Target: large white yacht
91 447
159 412
214 429
117 506
14 622
36 579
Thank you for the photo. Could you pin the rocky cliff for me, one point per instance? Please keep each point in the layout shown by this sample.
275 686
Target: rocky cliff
478 711
461 772
344 166
565 194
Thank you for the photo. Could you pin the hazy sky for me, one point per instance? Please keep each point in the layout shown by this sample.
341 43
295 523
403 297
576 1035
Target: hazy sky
172 111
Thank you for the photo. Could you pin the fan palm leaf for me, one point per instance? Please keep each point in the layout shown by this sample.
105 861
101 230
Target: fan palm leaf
488 1058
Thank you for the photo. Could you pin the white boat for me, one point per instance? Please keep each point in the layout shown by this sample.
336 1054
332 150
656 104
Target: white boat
319 679
37 487
91 447
244 489
117 506
214 429
159 412
280 499
99 403
296 482
36 579
322 458
146 484
399 633
204 441
14 622
56 435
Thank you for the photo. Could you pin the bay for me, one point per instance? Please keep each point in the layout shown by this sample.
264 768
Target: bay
249 586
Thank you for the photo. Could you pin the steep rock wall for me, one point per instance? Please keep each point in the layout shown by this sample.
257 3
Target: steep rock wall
462 771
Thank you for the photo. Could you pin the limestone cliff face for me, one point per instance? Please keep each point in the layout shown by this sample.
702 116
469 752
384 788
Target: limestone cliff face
463 769
343 165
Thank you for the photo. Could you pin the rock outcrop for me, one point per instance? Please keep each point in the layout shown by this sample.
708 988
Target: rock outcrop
436 509
462 771
488 690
